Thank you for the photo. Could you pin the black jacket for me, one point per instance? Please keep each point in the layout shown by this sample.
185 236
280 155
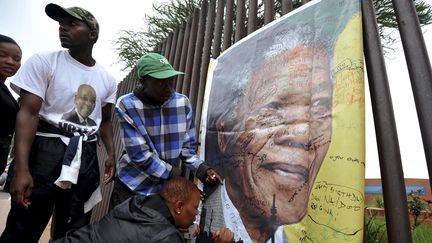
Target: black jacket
138 219
9 109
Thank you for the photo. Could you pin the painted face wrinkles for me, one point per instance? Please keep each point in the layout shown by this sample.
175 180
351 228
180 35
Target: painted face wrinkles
10 59
285 132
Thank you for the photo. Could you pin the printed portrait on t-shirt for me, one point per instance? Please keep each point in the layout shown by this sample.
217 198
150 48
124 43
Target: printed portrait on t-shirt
85 102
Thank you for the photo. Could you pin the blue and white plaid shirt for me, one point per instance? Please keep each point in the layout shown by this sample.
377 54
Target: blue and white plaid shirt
154 138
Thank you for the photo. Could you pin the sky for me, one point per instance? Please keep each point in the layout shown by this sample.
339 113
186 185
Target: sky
27 23
409 136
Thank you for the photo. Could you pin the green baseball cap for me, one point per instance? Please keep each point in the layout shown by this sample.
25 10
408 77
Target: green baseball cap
156 66
54 11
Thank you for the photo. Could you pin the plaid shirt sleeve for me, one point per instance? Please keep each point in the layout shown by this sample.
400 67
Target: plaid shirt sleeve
188 152
137 143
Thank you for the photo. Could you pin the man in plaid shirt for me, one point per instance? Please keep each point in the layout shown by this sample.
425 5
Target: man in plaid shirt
157 129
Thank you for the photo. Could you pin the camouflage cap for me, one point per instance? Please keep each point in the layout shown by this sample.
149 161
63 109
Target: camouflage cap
54 11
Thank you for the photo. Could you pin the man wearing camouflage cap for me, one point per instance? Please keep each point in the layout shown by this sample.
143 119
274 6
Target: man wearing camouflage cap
56 168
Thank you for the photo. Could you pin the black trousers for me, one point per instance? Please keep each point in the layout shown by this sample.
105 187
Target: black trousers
120 193
27 225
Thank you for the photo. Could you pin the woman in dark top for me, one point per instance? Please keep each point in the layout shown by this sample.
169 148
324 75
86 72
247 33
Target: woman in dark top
10 61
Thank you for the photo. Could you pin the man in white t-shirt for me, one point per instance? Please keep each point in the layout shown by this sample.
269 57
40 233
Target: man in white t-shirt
56 168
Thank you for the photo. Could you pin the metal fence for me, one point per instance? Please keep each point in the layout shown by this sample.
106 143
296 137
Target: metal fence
215 26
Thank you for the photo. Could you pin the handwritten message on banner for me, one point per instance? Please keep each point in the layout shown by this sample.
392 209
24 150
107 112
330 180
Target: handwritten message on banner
283 124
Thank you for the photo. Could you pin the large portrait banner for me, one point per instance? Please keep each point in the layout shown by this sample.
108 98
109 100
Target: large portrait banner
283 124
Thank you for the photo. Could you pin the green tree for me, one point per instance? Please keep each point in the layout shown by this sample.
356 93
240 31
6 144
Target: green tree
166 17
387 23
416 206
169 15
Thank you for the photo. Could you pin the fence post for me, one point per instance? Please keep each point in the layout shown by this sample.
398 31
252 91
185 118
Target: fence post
240 20
252 16
396 208
173 46
228 24
190 53
287 6
419 68
183 57
163 49
218 29
205 60
197 56
268 11
168 45
178 50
